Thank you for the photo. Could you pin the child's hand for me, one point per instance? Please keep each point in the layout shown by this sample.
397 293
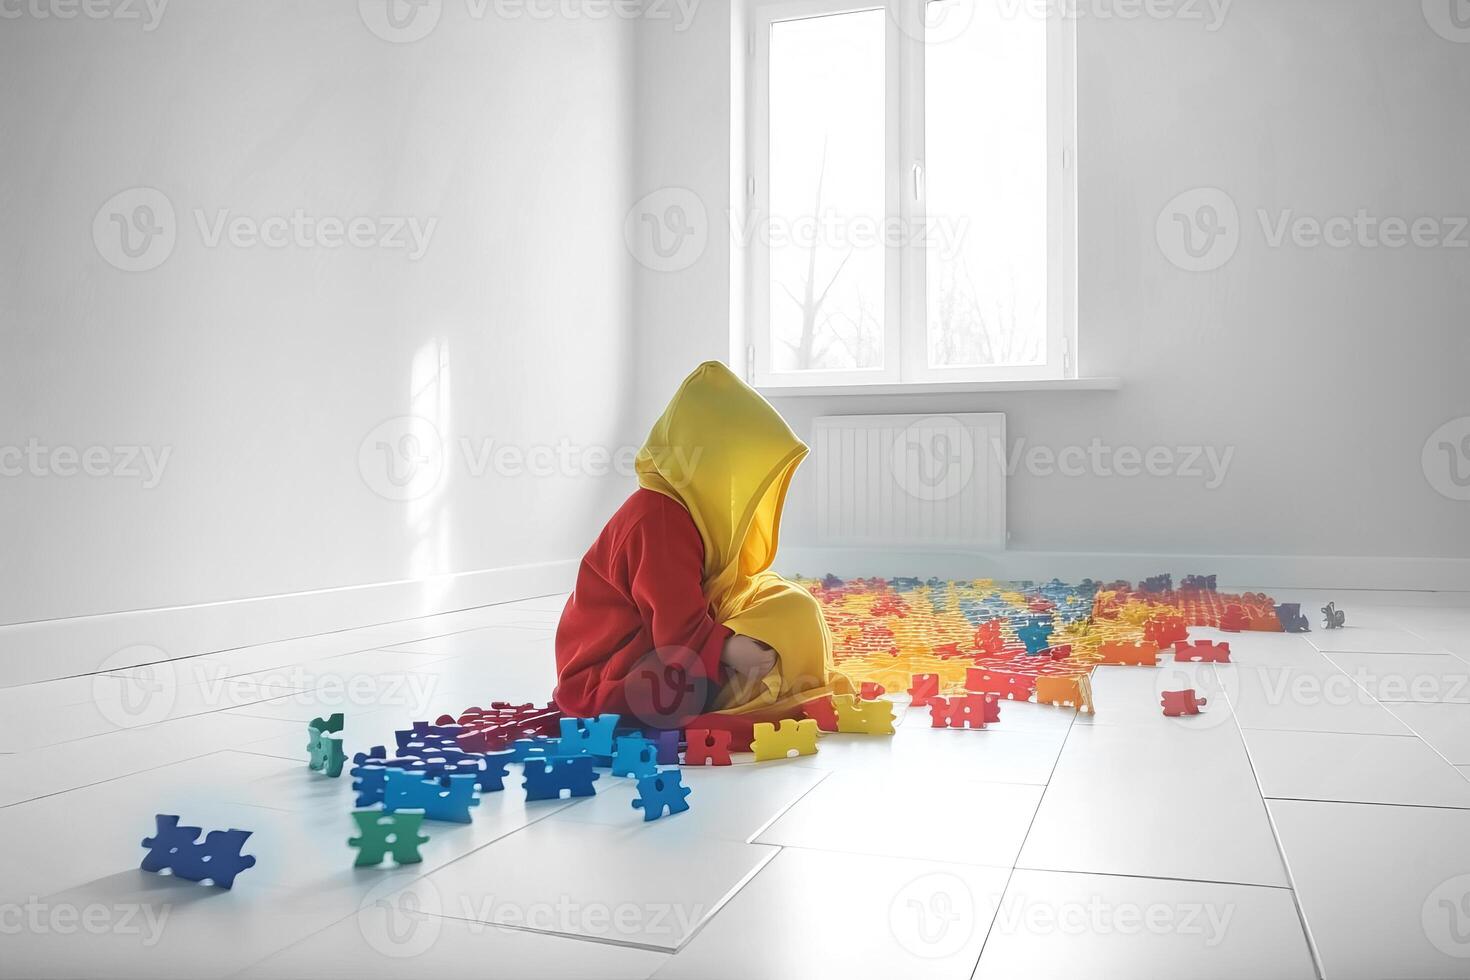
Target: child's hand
748 657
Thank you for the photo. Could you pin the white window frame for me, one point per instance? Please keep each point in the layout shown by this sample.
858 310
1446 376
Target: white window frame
905 323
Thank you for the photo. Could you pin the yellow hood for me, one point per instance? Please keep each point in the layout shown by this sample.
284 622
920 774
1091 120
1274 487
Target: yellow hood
723 452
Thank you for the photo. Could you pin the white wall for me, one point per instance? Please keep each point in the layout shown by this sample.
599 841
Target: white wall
1324 370
262 370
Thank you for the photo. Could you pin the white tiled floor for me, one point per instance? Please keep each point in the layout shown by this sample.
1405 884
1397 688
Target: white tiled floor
1311 819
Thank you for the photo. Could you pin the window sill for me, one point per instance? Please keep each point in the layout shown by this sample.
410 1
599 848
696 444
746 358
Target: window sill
941 387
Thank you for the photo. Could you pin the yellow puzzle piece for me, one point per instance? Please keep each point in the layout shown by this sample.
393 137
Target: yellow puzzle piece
773 743
863 717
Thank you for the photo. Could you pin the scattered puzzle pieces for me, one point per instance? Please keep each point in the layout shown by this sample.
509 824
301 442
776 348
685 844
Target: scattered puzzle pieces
1006 684
381 835
770 742
862 717
547 779
178 849
964 711
1234 619
922 687
663 791
1164 630
1185 702
707 747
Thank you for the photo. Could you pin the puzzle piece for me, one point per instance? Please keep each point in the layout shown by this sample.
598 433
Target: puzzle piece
668 748
1035 636
1065 692
964 711
1013 686
1164 630
770 742
1234 618
1333 618
870 691
922 687
533 748
863 717
177 849
1291 618
988 638
368 780
662 791
1197 583
381 835
1129 654
446 798
1185 702
588 736
1202 652
821 711
324 753
547 779
494 729
707 747
424 736
634 755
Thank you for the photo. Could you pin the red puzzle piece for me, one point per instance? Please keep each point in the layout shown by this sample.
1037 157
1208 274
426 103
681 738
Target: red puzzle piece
1016 687
1163 630
1202 652
964 711
870 691
1183 702
707 747
1234 619
821 711
922 687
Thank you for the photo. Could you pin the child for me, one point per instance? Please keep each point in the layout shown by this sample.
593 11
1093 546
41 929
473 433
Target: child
675 613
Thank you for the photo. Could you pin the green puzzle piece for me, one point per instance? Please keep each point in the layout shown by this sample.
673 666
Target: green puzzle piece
382 834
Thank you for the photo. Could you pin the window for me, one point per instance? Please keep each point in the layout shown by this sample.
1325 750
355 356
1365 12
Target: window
912 193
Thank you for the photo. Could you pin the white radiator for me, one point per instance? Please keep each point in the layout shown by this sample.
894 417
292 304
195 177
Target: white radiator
896 480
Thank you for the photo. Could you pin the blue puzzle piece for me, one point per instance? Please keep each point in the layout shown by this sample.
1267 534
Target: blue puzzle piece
589 736
1036 636
217 858
663 790
634 755
546 779
426 736
409 791
532 748
1292 620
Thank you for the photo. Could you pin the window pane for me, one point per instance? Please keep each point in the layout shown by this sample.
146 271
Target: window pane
827 192
985 153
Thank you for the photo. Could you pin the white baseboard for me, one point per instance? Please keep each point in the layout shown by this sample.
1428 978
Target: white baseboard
49 649
1256 572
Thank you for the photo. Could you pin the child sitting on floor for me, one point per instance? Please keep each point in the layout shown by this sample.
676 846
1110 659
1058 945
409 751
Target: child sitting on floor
676 620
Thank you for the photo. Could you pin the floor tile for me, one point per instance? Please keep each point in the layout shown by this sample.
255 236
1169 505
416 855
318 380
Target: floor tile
1367 639
1446 727
731 803
823 914
1132 695
1126 800
1054 924
1264 649
1297 699
926 817
612 883
1384 889
396 931
1399 769
1408 676
995 754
